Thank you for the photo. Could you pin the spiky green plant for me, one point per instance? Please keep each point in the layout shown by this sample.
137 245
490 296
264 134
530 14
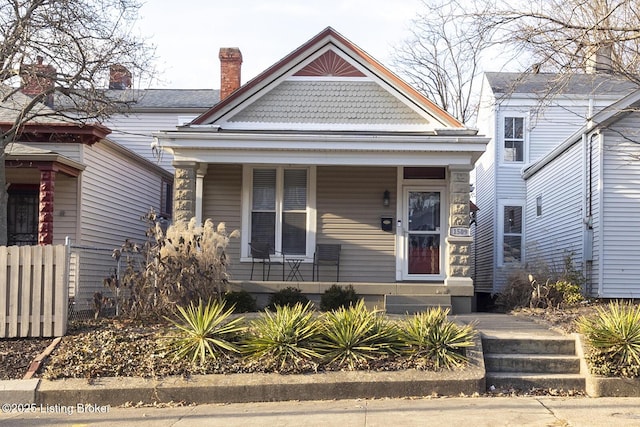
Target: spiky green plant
205 329
614 332
430 336
285 338
353 335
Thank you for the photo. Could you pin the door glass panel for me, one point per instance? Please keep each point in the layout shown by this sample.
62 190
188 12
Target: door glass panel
424 211
424 254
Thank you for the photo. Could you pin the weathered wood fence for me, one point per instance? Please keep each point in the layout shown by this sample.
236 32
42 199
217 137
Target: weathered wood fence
34 292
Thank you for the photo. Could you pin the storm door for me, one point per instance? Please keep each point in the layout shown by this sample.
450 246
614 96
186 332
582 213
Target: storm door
423 233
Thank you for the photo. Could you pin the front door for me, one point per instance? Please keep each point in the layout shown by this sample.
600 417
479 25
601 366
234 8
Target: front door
422 233
22 218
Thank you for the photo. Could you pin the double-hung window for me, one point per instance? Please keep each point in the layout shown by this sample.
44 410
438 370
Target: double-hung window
513 139
280 208
512 236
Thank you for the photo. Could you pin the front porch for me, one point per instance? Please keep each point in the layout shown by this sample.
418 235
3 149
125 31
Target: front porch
393 298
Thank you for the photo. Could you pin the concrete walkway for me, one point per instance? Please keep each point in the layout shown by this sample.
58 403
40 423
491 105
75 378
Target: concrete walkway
506 325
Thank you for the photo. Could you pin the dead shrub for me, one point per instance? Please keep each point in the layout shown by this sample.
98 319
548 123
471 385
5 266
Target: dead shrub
186 263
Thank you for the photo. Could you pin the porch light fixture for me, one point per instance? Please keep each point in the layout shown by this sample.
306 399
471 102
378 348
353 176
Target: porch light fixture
386 198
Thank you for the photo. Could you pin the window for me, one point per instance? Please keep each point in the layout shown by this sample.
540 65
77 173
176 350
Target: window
280 209
513 139
166 199
512 235
539 206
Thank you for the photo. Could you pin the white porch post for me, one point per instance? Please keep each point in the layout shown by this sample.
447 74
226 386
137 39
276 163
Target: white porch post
200 174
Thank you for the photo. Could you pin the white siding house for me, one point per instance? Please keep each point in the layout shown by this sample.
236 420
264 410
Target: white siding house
527 116
593 179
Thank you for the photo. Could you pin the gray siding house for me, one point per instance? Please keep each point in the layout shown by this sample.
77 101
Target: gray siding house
584 196
527 116
327 146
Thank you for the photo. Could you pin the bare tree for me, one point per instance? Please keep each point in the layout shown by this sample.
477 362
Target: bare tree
453 38
78 40
442 58
571 36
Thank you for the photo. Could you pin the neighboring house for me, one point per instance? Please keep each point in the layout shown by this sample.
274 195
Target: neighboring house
67 179
584 197
329 146
150 110
527 116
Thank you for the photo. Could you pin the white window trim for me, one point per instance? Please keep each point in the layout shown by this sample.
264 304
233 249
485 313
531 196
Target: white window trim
501 205
247 181
525 143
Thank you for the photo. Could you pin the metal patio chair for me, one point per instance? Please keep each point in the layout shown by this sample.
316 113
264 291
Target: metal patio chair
326 255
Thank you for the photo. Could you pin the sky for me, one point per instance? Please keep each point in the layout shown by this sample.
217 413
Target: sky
189 33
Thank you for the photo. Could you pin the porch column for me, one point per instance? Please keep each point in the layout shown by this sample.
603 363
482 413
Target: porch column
200 174
184 195
459 236
45 208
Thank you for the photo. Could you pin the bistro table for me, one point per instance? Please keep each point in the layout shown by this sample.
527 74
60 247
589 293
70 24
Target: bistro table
294 263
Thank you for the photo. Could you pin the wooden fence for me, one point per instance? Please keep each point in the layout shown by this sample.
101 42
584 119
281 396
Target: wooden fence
33 291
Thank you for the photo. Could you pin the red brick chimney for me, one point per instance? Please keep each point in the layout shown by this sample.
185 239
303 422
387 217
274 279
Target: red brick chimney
230 65
38 78
119 77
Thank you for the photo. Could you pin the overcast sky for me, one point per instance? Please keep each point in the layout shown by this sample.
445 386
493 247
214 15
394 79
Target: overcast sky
189 33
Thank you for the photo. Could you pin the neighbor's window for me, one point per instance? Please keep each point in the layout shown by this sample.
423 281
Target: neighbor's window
279 209
512 235
166 199
513 139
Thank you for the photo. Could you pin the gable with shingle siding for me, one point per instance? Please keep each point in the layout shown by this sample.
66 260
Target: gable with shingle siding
329 101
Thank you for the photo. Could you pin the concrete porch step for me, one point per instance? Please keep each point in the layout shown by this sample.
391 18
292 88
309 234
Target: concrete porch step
530 380
535 363
411 304
547 345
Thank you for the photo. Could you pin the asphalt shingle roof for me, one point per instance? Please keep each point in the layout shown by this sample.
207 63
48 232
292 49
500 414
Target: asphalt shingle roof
575 84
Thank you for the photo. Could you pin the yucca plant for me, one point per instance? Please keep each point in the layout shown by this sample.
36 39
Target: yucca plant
205 329
353 335
614 332
430 336
284 338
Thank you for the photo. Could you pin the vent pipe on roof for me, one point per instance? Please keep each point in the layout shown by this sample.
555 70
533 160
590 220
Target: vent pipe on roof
230 65
599 59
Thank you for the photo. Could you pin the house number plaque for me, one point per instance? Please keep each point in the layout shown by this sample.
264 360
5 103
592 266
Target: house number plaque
460 231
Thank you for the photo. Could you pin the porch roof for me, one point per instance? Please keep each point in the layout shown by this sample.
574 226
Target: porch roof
462 147
24 156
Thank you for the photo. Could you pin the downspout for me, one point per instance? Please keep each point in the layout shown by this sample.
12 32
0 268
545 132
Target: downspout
601 216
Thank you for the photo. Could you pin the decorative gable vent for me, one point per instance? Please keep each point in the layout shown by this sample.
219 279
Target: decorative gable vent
329 64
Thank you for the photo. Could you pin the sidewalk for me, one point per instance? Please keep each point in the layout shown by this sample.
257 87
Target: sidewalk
477 412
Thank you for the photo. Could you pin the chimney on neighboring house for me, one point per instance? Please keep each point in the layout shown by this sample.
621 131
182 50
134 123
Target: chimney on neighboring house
230 65
119 77
38 78
599 59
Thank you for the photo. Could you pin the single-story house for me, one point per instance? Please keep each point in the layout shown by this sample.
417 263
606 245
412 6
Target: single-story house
327 146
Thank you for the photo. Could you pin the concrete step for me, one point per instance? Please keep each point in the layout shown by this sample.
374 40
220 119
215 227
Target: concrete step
546 345
528 381
546 363
402 304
